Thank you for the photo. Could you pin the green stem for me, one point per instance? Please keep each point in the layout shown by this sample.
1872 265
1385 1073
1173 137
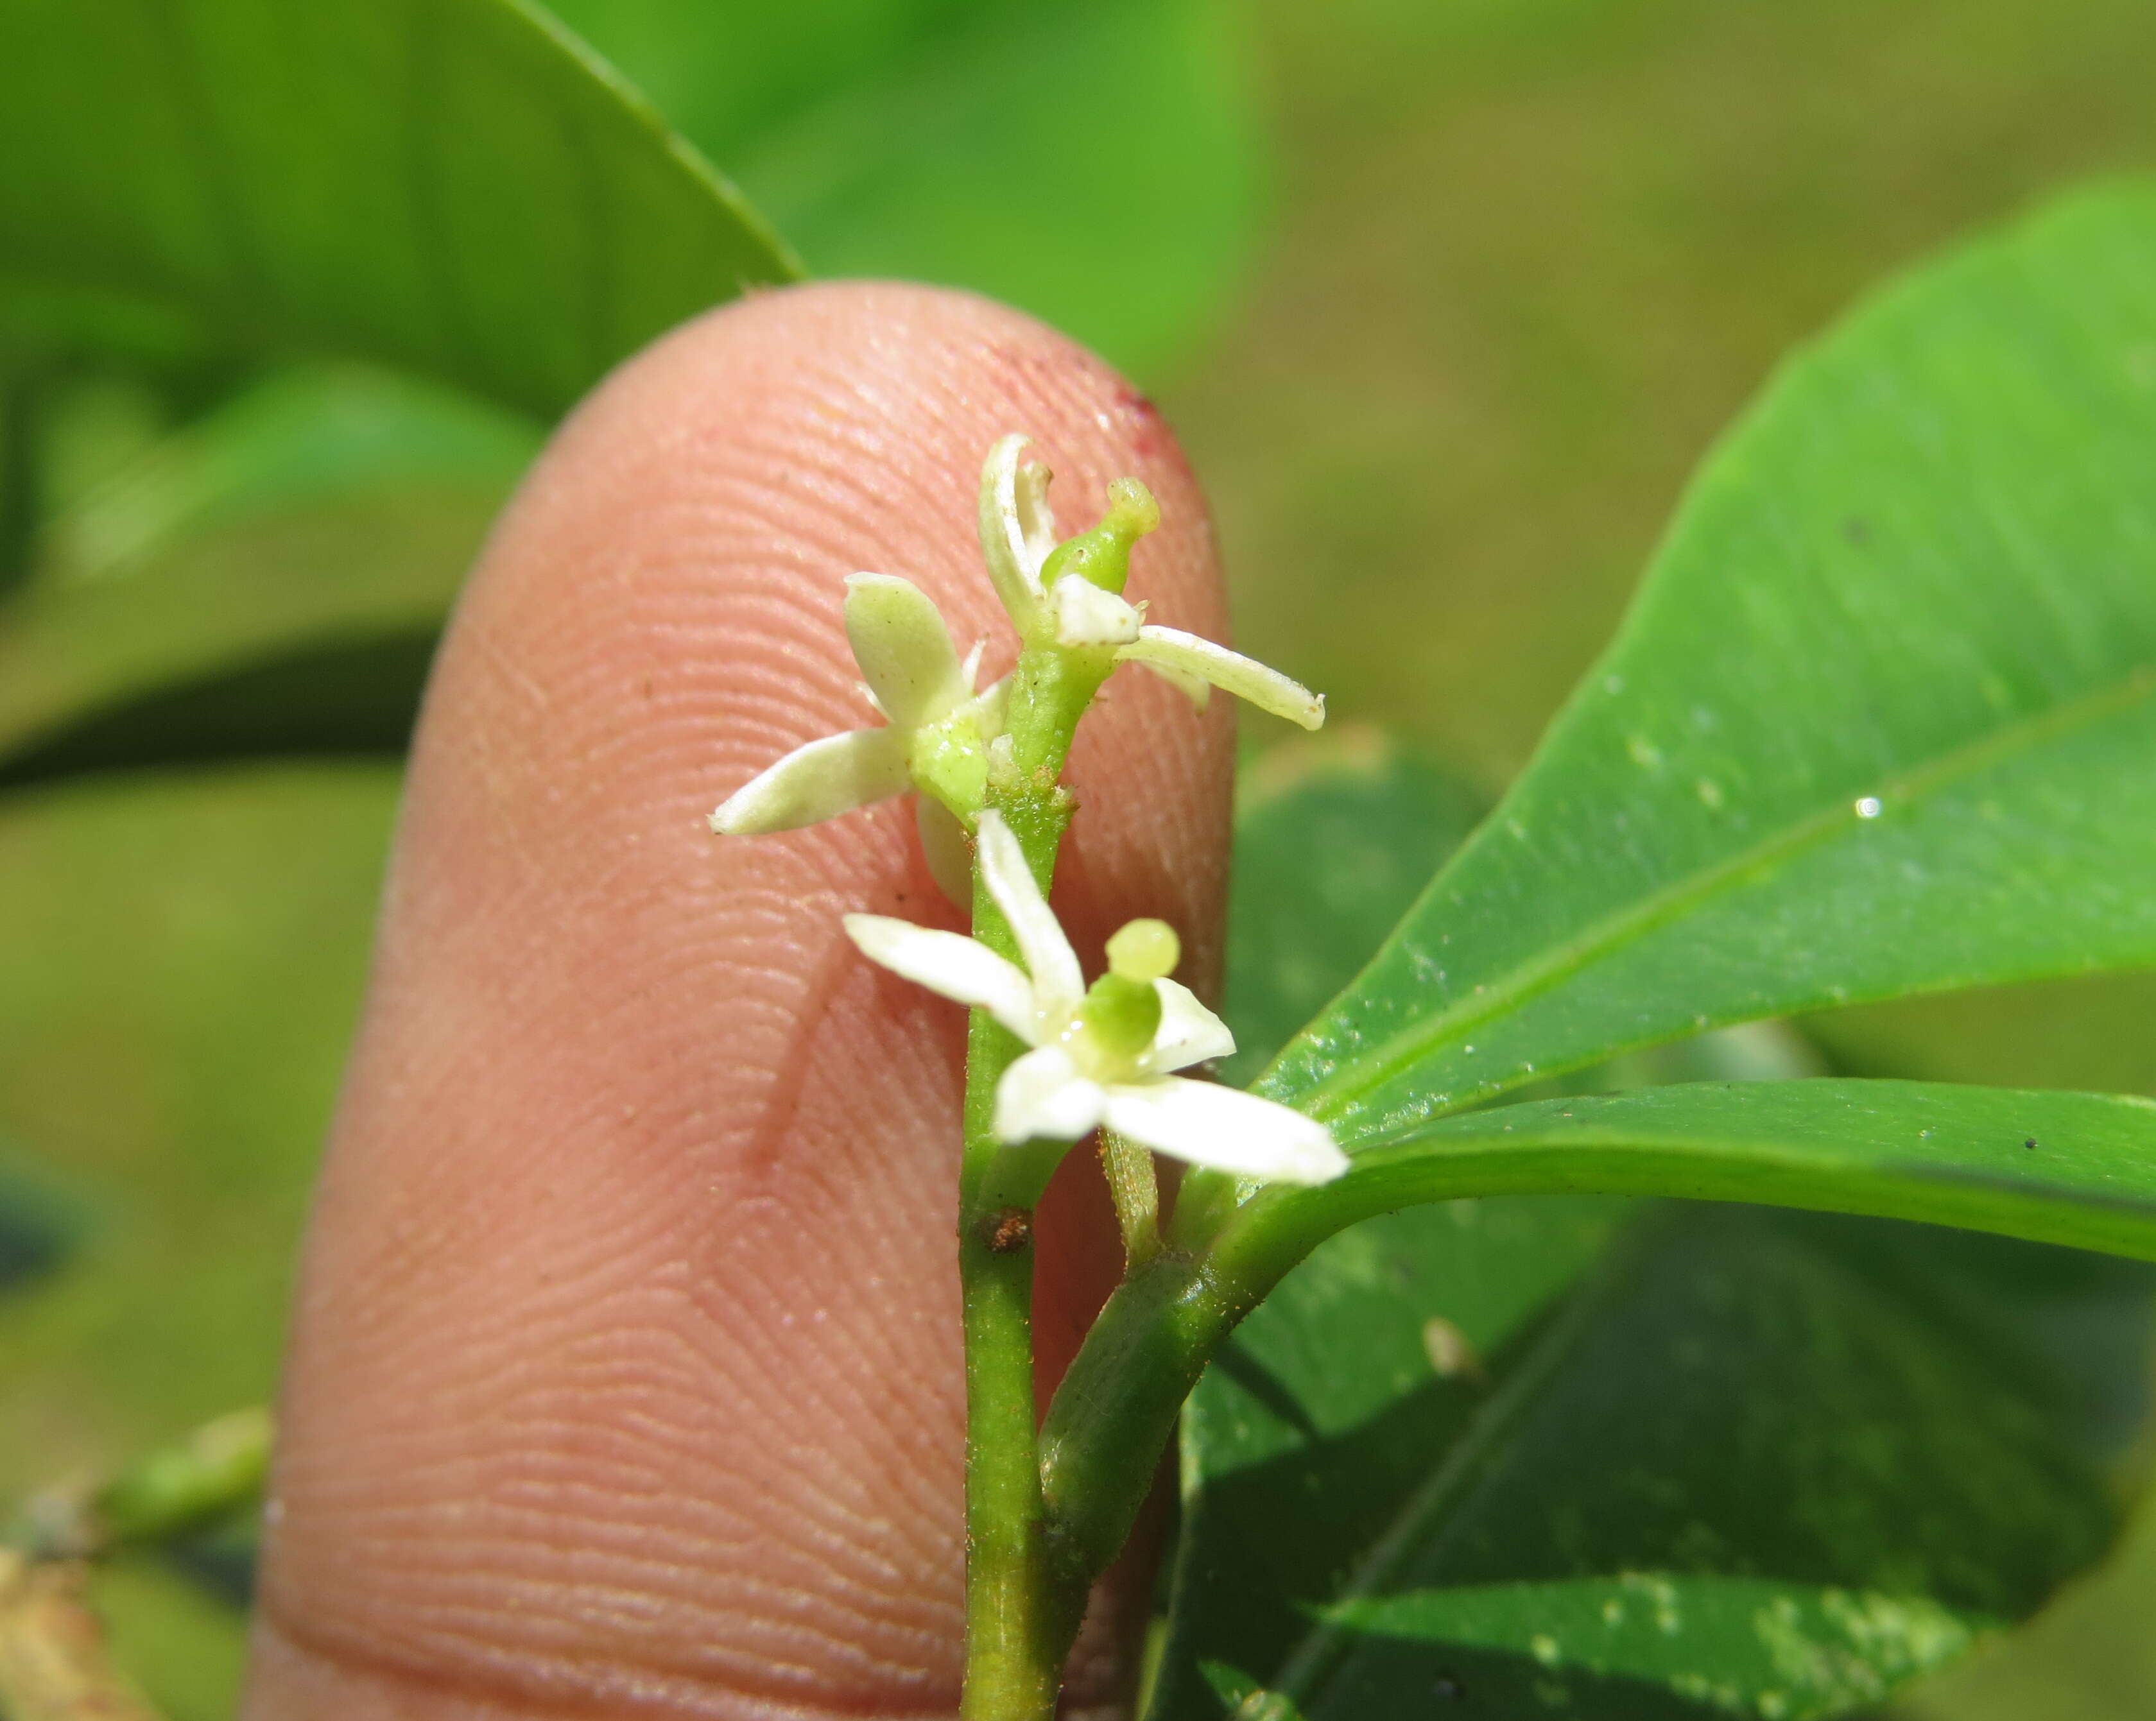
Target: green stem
219 1468
1022 1609
1113 1414
1011 1674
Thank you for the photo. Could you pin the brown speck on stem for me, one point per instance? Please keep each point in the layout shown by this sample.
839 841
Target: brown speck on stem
1012 1228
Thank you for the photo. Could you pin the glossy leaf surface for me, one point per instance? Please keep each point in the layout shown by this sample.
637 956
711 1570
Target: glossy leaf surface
1752 1462
2078 1168
457 188
1879 722
1335 836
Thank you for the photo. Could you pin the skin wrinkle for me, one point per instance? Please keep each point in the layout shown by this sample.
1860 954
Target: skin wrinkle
625 1102
324 1685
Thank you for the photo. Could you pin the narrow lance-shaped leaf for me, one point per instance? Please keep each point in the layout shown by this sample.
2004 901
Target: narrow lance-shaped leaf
2061 1168
1880 722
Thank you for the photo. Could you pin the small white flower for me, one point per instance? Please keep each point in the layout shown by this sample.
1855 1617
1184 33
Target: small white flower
1018 534
936 733
1103 1055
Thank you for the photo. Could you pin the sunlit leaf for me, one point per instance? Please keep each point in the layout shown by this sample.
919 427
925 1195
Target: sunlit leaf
456 188
1513 1456
2078 1168
1093 164
1880 722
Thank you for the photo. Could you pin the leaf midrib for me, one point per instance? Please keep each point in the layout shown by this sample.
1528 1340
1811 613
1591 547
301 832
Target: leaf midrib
1394 1056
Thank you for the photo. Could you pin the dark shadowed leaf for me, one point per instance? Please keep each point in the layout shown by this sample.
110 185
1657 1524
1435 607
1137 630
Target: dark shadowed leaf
1762 1464
350 696
1335 836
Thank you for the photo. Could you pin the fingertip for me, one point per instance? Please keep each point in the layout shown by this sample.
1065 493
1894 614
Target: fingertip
626 1357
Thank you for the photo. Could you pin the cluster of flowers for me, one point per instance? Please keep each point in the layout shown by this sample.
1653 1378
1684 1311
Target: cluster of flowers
1103 1055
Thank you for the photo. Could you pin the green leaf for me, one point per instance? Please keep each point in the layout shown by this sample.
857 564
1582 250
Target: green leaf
457 188
349 697
1879 722
2078 1168
1334 838
1094 164
1762 1464
187 614
304 436
269 579
1759 1463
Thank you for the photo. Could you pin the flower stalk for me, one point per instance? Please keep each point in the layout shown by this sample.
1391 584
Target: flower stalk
1016 1642
1049 1059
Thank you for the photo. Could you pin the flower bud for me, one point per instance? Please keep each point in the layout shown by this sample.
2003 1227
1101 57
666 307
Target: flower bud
1103 555
1144 951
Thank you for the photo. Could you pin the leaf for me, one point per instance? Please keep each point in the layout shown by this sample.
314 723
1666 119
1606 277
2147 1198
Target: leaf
1334 836
1762 1464
1094 165
456 188
1879 722
1497 1457
2078 1168
302 436
154 641
268 581
354 697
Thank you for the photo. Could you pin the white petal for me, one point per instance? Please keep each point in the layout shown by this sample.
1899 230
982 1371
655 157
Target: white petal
948 849
991 707
1017 530
1086 615
819 780
1225 1128
1170 648
1036 519
946 963
1189 1032
1043 1097
904 649
1196 688
1057 984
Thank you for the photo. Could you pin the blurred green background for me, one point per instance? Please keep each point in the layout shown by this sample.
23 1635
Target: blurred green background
1448 298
